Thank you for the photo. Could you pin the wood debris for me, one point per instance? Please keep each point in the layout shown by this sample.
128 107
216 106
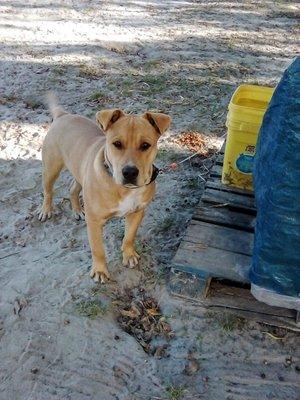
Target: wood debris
140 316
196 142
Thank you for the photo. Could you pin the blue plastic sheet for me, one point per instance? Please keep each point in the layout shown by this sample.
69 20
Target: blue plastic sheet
276 255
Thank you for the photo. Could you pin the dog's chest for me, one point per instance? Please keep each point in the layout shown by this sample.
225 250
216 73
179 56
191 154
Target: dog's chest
131 203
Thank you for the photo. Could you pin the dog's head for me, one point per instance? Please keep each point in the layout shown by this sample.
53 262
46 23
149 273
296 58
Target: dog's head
131 144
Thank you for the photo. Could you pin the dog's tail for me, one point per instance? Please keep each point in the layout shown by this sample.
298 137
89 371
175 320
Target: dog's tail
56 110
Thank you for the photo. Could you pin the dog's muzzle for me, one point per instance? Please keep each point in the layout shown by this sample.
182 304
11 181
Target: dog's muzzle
155 172
130 174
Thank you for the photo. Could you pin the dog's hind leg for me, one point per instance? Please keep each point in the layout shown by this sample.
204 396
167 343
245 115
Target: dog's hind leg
74 197
51 171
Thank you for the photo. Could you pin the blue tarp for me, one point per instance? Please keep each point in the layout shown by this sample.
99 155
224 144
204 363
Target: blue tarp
276 255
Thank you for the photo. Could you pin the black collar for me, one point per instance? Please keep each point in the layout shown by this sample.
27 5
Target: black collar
154 175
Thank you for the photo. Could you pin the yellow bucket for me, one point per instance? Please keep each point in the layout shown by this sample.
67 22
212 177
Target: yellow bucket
246 110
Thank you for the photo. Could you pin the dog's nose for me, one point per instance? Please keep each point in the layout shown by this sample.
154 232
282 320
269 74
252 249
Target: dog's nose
130 173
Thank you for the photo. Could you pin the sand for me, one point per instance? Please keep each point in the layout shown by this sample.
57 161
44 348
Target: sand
181 57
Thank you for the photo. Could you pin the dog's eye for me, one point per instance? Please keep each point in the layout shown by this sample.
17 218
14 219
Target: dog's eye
145 146
118 145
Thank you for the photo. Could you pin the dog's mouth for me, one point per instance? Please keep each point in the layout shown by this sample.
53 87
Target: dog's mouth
131 185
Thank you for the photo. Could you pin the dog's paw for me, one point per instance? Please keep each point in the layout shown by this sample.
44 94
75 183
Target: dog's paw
79 216
99 274
43 215
130 258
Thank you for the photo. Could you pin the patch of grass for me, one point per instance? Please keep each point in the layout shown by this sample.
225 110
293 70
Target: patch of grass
90 113
163 154
110 86
230 322
117 48
175 392
90 308
97 95
168 155
8 98
154 79
192 183
199 338
153 64
174 156
211 315
151 104
142 247
184 85
105 62
155 83
86 70
59 69
227 322
33 103
161 273
166 224
98 289
127 86
195 126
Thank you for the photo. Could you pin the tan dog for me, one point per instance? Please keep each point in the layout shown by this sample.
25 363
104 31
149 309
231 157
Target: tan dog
115 172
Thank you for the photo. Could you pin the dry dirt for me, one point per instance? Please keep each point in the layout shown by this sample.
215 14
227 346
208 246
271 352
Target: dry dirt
59 337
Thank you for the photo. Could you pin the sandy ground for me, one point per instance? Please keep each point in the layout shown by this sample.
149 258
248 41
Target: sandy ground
181 57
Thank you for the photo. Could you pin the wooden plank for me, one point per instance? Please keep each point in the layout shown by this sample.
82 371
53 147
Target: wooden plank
235 300
241 298
233 201
218 185
214 179
210 262
267 319
224 217
205 234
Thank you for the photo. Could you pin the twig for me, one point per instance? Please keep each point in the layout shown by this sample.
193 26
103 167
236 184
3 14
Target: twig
188 158
274 337
201 177
46 256
8 255
219 205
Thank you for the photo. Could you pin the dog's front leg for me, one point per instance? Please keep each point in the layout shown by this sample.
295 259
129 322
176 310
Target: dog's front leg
130 256
99 268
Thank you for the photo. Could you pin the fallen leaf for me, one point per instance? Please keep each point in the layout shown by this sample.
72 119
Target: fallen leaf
191 367
153 312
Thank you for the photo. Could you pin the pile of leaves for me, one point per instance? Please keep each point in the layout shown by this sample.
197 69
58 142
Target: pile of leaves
195 142
140 316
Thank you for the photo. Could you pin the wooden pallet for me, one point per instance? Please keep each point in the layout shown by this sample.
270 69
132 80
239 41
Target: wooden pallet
213 259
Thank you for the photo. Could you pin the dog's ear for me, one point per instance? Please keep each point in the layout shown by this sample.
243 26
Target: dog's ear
161 122
106 118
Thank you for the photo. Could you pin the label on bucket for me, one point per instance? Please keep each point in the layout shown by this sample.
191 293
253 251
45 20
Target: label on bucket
244 162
